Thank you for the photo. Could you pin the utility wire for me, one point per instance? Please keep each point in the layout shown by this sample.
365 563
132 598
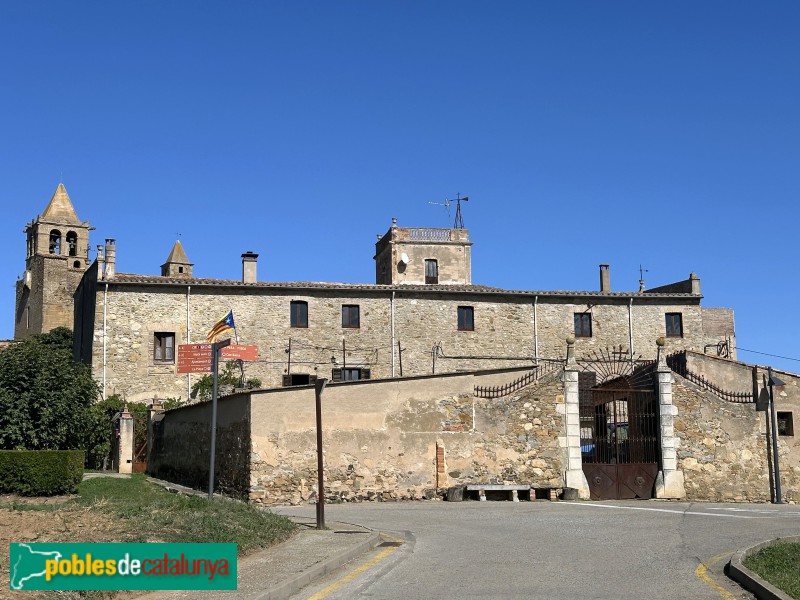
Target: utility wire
768 354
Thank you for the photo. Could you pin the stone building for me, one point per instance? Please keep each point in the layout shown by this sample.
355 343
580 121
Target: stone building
423 315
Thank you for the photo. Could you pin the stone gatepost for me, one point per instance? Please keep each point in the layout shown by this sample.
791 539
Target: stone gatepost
670 482
574 477
125 458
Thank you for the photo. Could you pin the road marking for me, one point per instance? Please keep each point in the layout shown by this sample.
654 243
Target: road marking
665 510
762 511
702 572
354 573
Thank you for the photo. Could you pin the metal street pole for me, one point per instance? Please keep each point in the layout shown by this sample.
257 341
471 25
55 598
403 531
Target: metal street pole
216 347
319 385
772 382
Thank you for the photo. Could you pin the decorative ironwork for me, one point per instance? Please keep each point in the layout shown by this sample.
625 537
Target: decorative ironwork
617 363
677 362
545 367
437 235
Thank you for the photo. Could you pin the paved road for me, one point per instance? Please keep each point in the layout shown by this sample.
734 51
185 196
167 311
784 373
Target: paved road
582 550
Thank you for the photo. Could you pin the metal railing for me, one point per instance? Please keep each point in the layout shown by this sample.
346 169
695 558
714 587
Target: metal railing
539 371
677 362
439 235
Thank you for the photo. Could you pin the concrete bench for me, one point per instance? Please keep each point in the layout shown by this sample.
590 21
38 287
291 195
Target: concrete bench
513 490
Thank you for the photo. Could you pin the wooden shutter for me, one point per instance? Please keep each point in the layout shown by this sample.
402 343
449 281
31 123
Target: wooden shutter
287 380
336 374
365 373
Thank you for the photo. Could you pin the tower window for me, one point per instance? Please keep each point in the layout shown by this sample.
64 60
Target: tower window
164 347
72 243
431 271
76 264
298 313
583 325
785 423
466 318
55 242
674 325
350 316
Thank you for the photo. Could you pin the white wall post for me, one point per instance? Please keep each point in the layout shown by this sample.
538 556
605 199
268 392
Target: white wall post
574 476
670 482
125 458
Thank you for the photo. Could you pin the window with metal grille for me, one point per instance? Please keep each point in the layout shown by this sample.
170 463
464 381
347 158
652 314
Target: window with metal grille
785 423
350 374
466 318
164 347
674 324
350 316
298 313
431 271
583 324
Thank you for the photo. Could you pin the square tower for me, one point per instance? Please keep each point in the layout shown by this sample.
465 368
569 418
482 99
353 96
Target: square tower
423 256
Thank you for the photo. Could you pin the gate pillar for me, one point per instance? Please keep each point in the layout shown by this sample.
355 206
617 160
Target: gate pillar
574 476
125 458
670 482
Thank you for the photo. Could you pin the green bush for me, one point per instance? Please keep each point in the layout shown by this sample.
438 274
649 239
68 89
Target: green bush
40 472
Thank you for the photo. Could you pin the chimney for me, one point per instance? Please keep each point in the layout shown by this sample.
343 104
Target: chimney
695 281
111 258
249 261
605 279
101 263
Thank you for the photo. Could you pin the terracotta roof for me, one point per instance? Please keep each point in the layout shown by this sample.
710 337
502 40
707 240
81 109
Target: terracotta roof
132 279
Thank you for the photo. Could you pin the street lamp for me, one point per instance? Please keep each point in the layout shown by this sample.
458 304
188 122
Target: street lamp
319 385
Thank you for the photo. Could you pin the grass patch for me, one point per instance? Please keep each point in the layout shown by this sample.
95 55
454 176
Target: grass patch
778 564
154 514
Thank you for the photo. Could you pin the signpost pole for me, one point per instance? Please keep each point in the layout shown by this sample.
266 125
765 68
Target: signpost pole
775 464
216 347
319 385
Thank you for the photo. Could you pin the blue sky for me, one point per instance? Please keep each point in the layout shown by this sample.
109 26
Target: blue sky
661 134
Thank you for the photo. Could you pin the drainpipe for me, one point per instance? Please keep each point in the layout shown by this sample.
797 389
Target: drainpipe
536 328
392 326
105 344
188 341
630 326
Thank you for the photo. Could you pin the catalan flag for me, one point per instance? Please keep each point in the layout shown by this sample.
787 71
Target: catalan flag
221 326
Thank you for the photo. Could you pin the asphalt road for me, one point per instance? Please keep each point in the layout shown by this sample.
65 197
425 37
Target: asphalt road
582 550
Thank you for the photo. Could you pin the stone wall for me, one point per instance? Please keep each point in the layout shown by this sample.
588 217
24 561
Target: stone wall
503 335
381 439
182 439
722 449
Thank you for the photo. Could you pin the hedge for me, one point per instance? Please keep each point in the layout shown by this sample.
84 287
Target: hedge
40 472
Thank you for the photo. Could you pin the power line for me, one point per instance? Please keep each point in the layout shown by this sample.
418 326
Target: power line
768 354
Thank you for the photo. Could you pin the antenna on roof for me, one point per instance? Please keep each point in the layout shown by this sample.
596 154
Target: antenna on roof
459 222
446 204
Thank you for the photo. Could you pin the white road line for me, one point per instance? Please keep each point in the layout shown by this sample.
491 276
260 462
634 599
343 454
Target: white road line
665 510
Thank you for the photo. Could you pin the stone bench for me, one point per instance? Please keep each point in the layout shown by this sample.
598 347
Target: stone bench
513 490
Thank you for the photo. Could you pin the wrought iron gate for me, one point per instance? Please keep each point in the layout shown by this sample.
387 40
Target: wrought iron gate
619 439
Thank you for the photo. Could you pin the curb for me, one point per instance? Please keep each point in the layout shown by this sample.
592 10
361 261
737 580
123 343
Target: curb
752 582
295 584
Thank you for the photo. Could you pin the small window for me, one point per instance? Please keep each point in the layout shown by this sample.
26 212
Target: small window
180 269
674 325
466 318
583 324
298 313
72 243
350 374
431 271
164 347
350 316
785 423
298 379
76 264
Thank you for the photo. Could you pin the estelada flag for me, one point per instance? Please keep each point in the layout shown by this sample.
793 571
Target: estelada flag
221 326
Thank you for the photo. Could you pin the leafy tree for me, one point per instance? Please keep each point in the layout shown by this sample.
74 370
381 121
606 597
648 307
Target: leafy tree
45 398
230 376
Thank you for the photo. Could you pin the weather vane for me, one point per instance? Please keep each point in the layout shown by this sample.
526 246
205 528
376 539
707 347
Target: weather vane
459 221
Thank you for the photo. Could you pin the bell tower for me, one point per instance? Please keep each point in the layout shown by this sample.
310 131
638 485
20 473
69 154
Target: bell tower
56 257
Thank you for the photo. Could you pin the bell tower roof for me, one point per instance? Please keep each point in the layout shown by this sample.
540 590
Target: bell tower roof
60 209
177 264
